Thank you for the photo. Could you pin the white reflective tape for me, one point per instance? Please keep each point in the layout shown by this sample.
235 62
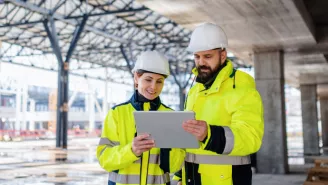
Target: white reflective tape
106 141
229 140
153 159
174 182
135 179
217 159
102 151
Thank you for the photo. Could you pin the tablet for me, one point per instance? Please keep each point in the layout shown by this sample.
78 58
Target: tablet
165 127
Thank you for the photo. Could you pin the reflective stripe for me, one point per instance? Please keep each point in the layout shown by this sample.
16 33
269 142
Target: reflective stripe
102 151
106 141
217 159
174 182
229 140
153 159
135 179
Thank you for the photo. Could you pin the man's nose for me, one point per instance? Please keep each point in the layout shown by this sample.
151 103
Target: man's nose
201 61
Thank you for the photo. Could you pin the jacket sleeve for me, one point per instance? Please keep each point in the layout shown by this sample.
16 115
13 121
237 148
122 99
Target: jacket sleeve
244 135
177 177
110 153
177 157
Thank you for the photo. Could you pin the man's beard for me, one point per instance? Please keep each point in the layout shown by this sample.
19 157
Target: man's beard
204 77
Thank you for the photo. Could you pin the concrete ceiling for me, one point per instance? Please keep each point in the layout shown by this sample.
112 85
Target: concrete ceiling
322 91
298 27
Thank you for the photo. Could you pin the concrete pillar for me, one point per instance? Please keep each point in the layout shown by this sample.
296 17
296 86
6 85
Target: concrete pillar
105 100
0 53
91 112
18 108
24 106
40 125
269 75
324 123
99 109
72 99
310 120
86 102
32 112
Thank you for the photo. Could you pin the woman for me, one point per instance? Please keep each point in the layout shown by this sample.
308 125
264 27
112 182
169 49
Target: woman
130 158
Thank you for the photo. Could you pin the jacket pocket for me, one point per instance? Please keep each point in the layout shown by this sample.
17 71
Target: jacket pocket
212 174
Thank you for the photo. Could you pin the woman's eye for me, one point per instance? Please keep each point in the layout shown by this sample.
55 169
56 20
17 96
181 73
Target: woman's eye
148 80
159 82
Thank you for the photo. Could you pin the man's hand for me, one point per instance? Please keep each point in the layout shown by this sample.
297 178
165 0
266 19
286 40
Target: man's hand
196 128
141 144
179 183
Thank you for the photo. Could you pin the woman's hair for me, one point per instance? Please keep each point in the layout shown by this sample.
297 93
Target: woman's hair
140 72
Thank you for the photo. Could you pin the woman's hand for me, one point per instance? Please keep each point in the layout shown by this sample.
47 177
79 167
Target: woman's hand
141 144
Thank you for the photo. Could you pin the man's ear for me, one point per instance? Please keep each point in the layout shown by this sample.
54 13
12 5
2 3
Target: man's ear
223 55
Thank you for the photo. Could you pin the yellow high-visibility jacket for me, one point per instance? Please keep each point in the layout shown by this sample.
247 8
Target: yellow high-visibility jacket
114 151
233 110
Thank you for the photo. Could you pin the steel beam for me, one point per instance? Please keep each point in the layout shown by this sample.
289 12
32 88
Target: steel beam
74 17
6 25
182 84
47 12
65 71
73 74
54 44
76 36
61 117
59 4
126 60
129 10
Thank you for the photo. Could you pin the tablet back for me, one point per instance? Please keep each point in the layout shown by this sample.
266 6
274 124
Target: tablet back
165 128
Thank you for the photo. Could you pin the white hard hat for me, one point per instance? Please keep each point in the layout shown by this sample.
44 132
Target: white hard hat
207 36
152 61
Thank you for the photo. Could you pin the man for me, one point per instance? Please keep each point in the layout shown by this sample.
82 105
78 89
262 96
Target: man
229 115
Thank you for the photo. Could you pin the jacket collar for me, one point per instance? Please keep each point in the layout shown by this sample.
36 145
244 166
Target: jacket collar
137 101
220 78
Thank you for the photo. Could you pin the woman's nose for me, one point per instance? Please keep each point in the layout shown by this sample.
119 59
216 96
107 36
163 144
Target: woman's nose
153 86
